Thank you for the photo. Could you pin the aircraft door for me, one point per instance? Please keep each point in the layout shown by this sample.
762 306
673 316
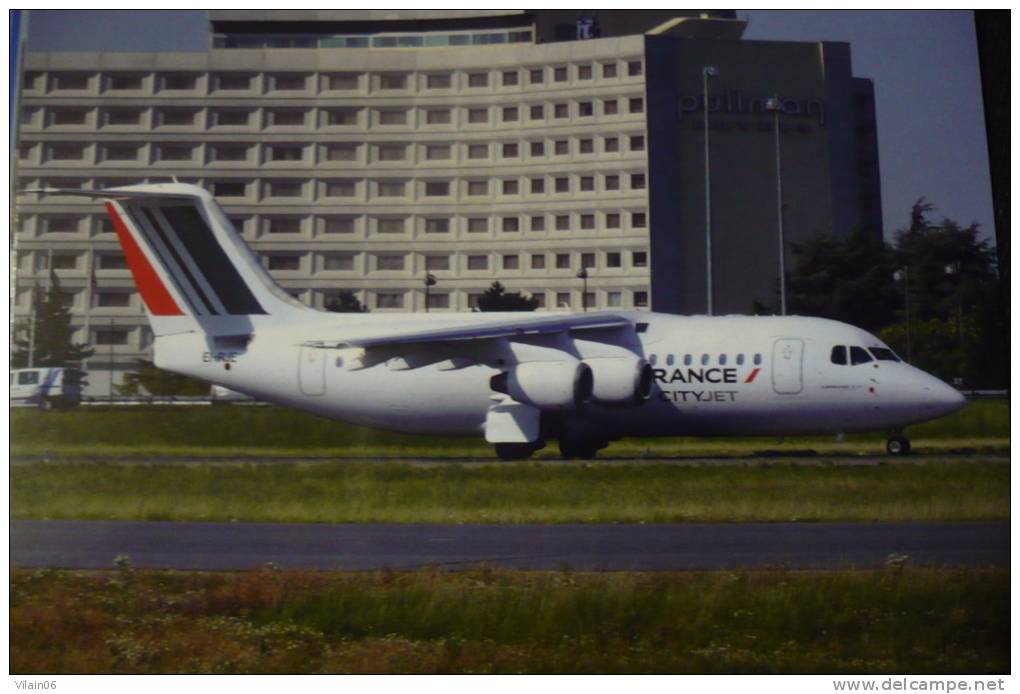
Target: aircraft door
312 371
787 366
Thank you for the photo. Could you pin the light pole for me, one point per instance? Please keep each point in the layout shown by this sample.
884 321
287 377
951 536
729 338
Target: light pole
706 72
904 274
773 105
430 280
954 270
583 276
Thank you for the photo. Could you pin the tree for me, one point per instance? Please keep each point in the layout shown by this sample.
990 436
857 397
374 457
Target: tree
52 344
345 302
497 298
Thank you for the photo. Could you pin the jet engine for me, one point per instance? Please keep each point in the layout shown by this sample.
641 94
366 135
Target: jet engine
547 385
621 381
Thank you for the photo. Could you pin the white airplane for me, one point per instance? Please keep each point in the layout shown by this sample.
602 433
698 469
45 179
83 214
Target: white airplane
518 379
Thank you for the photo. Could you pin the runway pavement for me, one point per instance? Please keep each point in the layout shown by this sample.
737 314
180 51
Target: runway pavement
232 546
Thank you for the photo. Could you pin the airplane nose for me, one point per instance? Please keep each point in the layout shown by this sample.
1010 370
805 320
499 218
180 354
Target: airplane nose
942 397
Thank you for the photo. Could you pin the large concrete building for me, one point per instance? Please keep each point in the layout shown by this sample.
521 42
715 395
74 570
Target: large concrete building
362 150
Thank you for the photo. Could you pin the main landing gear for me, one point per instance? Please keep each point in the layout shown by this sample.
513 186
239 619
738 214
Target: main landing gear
897 444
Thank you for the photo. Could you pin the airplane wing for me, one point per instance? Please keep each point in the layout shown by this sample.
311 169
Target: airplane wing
525 326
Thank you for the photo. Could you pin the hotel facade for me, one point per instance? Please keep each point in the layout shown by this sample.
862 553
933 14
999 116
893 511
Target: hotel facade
363 151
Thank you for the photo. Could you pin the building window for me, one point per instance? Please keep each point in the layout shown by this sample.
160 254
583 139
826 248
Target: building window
511 187
229 189
637 181
284 189
344 152
109 337
536 112
560 74
563 299
637 143
391 152
341 188
538 223
563 222
175 152
478 262
70 80
639 259
511 262
478 115
69 116
112 261
636 105
341 262
587 221
342 81
608 70
391 189
478 79
437 188
641 299
610 107
561 110
537 186
61 261
638 220
612 182
392 117
342 116
537 149
123 117
438 81
510 78
438 116
176 117
120 153
611 144
231 118
230 82
437 262
587 183
510 150
478 151
389 300
562 184
536 76
390 225
434 152
477 225
584 72
587 260
510 114
511 224
179 83
612 220
288 82
285 152
438 300
586 146
339 225
285 225
478 188
437 225
389 262
125 82
538 261
614 259
113 299
634 68
561 147
393 80
562 261
284 263
614 299
585 109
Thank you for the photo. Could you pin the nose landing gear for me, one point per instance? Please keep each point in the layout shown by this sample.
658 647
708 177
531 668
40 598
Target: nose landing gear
897 444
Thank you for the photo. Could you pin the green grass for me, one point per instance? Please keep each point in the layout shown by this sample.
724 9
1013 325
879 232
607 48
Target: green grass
276 431
533 492
482 621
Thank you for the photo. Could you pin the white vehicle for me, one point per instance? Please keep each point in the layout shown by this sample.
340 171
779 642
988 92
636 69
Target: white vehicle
518 379
47 387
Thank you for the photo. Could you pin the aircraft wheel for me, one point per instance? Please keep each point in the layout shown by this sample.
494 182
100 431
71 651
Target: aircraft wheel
898 445
514 451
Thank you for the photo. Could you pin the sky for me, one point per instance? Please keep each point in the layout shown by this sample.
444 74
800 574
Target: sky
924 65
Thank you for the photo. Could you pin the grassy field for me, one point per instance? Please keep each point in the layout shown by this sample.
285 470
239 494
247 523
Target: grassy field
531 492
275 431
270 621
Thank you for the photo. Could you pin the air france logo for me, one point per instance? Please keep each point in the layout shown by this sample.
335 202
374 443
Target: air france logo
691 376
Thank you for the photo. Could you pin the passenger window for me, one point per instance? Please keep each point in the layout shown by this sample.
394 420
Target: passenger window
669 360
757 360
722 360
859 355
839 355
652 359
688 359
740 360
884 354
704 360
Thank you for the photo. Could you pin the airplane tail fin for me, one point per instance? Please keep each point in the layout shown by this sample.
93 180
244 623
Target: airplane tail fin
192 269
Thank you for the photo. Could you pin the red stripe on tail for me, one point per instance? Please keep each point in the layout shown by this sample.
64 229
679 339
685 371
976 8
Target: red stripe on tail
150 286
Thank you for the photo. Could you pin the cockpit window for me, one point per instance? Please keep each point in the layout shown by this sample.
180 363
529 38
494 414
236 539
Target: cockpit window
859 355
883 354
838 354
